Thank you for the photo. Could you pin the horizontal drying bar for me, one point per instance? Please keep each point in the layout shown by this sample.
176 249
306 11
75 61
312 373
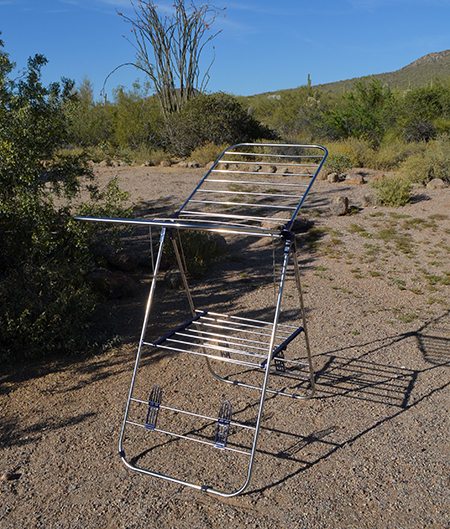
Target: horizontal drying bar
239 341
189 438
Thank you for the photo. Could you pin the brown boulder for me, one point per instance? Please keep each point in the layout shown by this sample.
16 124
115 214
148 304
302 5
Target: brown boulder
436 183
355 178
339 206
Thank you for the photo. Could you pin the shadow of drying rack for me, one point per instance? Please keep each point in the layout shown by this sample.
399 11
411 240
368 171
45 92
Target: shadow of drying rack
364 380
435 349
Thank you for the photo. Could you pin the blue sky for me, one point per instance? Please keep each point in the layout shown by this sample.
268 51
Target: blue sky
264 45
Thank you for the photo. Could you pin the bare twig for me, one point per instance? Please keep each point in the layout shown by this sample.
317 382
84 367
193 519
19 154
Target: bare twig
168 48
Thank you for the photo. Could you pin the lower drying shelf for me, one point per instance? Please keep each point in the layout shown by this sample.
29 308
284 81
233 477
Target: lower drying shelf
232 339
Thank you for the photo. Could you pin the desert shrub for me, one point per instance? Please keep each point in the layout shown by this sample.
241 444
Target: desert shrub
209 152
140 154
389 156
45 307
424 112
393 152
300 138
216 118
90 122
393 191
426 103
298 115
97 153
137 119
158 155
338 163
442 126
358 151
131 121
419 131
199 249
433 162
364 113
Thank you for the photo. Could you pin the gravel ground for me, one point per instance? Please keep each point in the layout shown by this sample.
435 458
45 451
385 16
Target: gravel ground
371 450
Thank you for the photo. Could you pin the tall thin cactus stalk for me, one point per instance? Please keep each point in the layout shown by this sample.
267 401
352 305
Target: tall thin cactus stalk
168 48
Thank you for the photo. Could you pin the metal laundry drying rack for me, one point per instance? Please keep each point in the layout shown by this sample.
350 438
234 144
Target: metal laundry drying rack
251 191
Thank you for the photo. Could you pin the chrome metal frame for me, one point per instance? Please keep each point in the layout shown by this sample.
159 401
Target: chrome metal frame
251 190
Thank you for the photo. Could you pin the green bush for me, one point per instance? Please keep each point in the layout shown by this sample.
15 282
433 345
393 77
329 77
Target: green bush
298 115
91 123
442 127
137 119
209 152
393 152
338 163
365 112
199 250
426 103
389 156
45 307
393 191
359 152
434 162
216 118
419 131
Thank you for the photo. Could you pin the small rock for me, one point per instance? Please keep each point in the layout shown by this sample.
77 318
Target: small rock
436 183
354 178
120 260
148 163
339 206
370 200
165 163
209 165
172 278
182 164
193 165
10 476
333 178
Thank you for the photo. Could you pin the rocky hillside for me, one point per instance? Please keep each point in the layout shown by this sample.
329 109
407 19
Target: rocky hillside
418 73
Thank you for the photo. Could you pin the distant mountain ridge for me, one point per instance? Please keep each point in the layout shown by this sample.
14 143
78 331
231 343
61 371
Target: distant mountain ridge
422 71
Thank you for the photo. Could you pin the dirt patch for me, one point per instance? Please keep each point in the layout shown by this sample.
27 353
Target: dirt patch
370 450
